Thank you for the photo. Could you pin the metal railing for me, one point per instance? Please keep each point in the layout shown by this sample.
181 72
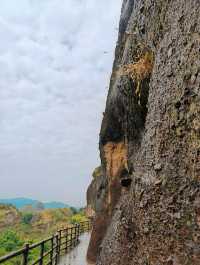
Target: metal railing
50 249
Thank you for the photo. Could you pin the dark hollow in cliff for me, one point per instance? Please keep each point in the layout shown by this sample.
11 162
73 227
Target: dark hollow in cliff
126 182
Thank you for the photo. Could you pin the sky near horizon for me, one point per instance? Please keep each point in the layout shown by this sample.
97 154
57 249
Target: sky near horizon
55 58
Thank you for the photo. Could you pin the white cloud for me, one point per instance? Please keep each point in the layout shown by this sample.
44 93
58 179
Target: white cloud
53 79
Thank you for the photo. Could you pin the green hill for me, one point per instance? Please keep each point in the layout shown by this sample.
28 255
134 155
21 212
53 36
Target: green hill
19 202
23 202
55 205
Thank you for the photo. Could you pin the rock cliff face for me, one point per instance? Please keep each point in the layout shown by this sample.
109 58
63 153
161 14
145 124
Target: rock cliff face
9 216
147 199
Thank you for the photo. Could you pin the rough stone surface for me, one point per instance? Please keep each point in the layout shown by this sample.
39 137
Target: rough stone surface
155 116
9 216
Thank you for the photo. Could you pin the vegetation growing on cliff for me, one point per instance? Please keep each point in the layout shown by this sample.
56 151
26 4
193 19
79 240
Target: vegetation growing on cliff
139 70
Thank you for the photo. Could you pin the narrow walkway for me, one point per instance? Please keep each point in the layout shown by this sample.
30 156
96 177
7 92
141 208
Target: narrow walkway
78 255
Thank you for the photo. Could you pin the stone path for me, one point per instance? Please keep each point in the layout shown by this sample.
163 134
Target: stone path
78 255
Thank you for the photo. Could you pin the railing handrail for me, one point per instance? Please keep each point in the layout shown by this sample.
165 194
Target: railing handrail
35 245
56 245
12 255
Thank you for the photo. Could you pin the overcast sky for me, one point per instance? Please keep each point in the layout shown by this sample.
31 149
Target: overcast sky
55 63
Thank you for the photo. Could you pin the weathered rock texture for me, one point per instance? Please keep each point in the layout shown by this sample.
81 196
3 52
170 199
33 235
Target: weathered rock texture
9 216
96 199
151 134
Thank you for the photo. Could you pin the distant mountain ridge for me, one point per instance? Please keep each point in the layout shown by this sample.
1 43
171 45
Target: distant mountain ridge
54 205
22 202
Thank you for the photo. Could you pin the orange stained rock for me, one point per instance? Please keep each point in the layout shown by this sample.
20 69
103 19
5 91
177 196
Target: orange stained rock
116 158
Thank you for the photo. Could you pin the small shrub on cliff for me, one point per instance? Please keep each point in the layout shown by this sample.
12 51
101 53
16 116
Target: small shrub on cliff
140 70
97 172
78 218
27 218
73 210
10 240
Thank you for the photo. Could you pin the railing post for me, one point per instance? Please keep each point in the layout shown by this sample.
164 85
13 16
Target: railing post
78 230
75 238
52 246
66 246
75 235
59 242
25 255
41 253
57 249
71 237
